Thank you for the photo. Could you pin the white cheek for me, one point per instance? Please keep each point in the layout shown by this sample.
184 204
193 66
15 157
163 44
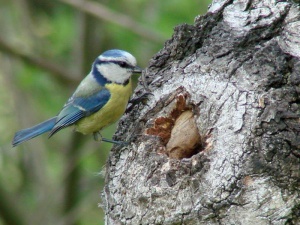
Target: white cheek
114 72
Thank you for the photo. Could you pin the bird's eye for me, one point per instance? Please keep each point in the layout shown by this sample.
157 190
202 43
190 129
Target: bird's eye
123 64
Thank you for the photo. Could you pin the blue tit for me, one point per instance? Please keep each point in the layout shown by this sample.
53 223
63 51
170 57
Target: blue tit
99 100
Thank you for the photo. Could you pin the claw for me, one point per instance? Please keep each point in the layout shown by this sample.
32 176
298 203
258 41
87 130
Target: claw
142 99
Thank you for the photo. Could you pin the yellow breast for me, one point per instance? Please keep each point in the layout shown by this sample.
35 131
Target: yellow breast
110 112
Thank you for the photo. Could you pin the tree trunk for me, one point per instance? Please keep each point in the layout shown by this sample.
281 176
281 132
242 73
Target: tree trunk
218 142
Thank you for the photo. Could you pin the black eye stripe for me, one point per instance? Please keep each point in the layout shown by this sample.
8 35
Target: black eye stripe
123 64
120 63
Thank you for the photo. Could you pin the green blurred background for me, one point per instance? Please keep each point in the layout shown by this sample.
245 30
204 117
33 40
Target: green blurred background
46 48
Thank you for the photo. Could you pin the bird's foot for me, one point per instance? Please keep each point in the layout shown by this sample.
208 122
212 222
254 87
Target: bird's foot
141 99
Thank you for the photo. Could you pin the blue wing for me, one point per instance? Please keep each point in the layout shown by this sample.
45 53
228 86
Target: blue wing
79 107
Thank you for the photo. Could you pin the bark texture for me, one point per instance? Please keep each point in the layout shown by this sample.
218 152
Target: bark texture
237 69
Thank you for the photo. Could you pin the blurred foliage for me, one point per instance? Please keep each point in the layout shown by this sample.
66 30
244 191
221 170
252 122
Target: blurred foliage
59 181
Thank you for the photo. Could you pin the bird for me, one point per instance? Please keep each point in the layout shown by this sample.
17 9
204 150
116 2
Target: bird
99 100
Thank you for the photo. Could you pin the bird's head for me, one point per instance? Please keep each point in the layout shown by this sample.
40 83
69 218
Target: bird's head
115 66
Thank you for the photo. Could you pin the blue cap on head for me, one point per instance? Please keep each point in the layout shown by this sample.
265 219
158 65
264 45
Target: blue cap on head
114 53
118 55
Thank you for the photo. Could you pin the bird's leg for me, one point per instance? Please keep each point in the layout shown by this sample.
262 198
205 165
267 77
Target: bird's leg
98 137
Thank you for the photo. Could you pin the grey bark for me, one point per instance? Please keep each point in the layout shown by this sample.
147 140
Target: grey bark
238 68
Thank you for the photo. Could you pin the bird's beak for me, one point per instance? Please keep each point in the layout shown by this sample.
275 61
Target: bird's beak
137 70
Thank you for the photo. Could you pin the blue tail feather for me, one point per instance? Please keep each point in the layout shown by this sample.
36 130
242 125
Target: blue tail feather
29 133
